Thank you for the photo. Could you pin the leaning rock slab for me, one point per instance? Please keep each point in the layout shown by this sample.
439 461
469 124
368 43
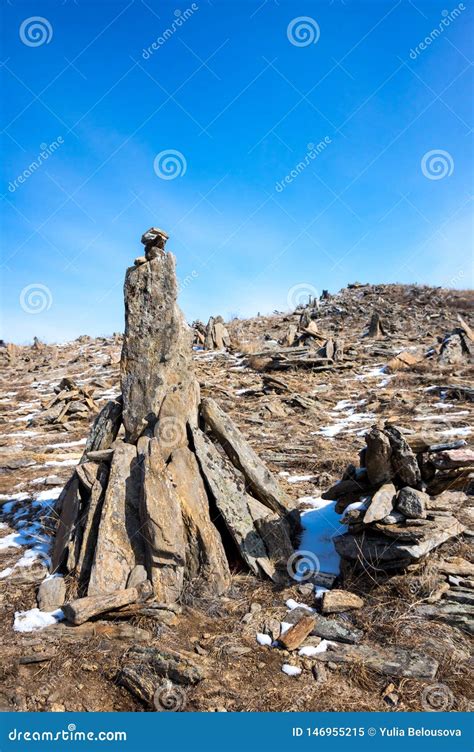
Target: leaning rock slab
119 546
205 555
259 478
381 504
377 457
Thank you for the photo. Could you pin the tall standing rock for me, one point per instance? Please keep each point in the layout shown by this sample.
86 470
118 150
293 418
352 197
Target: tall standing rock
159 508
157 347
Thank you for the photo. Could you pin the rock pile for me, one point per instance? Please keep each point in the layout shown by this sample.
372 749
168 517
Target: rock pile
168 491
216 336
457 346
395 505
70 402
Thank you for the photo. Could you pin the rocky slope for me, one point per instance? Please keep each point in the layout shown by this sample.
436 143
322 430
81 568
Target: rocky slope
386 355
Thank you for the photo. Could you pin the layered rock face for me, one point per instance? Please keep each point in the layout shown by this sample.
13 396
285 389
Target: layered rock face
156 366
153 497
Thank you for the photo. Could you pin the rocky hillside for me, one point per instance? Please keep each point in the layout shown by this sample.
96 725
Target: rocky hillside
378 601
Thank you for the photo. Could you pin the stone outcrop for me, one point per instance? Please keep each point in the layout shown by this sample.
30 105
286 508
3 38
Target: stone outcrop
154 501
216 335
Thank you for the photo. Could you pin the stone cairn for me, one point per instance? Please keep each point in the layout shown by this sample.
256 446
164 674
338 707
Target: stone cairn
168 494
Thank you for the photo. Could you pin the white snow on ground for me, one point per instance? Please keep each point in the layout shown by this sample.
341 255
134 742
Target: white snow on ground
345 415
65 444
264 639
29 533
9 541
291 604
34 619
291 670
24 433
61 463
371 373
320 525
319 591
300 478
310 650
465 431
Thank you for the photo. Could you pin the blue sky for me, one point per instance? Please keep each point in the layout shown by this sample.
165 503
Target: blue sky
230 96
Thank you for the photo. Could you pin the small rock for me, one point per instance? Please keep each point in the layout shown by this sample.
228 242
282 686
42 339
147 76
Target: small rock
51 593
412 503
56 707
140 260
335 601
255 608
331 629
394 518
137 576
319 672
305 589
273 628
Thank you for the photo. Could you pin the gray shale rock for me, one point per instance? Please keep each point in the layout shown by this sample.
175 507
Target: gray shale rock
412 503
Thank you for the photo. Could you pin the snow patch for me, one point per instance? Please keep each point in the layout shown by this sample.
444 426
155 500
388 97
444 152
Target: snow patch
34 619
291 670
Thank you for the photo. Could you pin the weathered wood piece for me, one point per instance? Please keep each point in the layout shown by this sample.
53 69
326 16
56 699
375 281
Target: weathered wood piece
396 662
295 635
83 609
